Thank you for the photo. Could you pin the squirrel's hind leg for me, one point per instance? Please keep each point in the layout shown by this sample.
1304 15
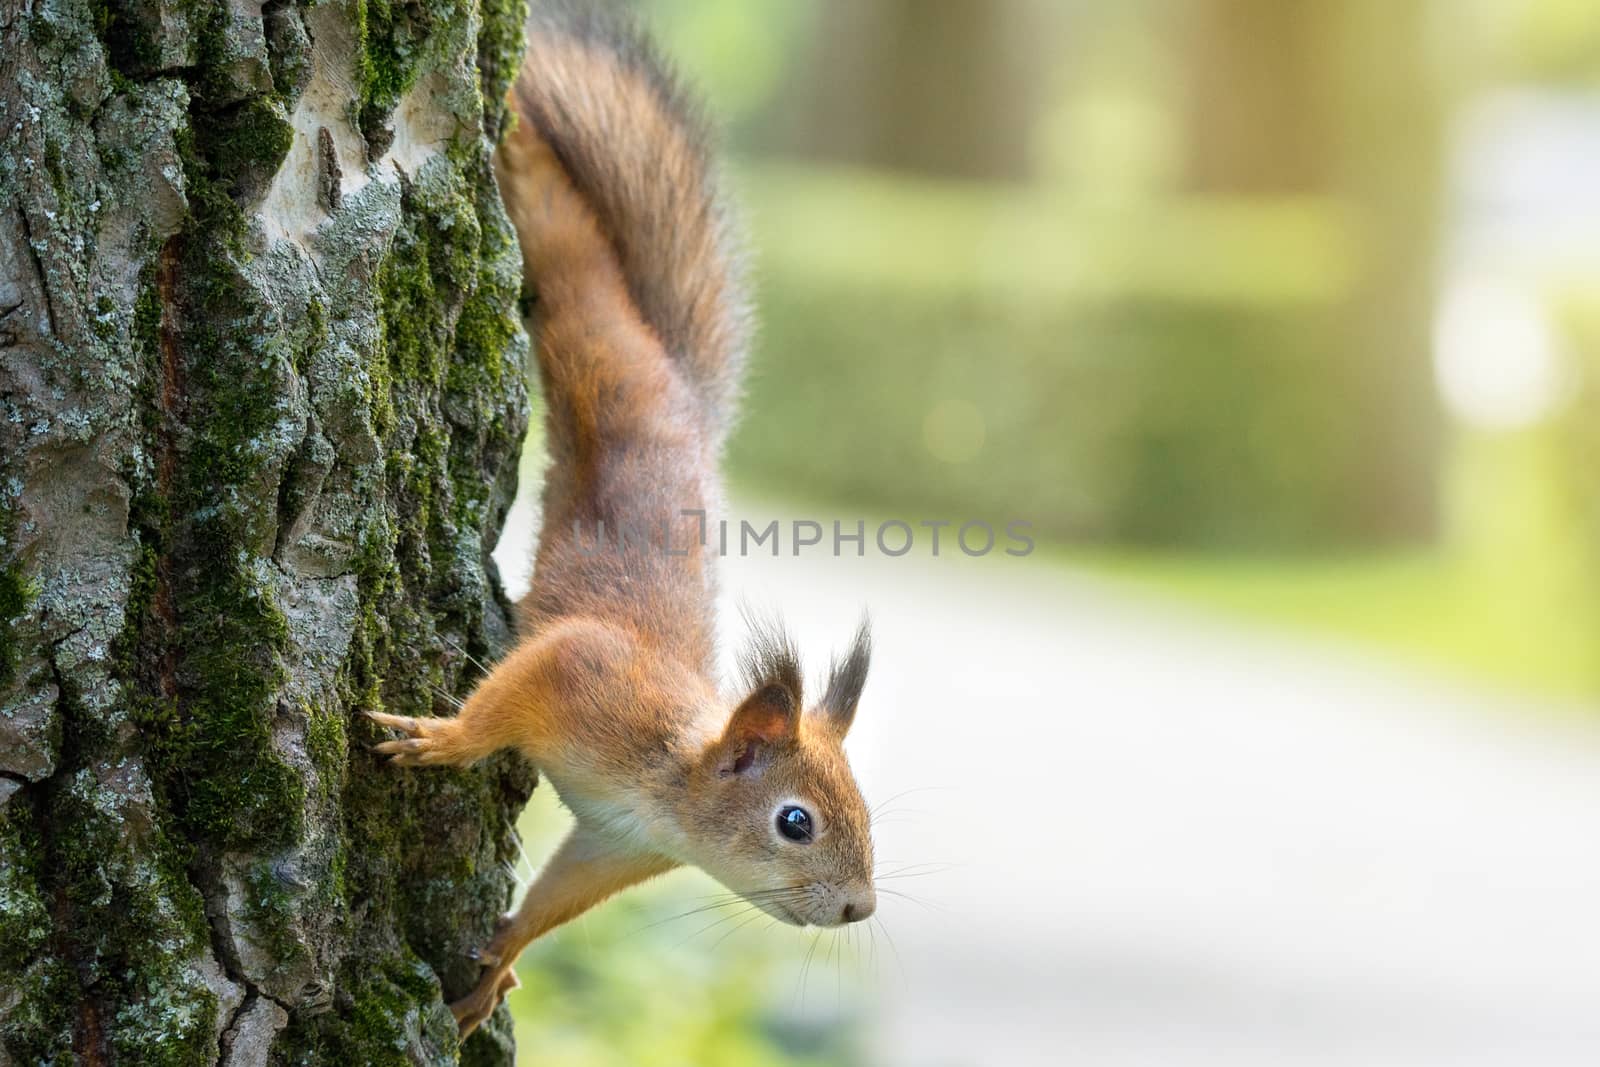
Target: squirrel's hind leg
585 870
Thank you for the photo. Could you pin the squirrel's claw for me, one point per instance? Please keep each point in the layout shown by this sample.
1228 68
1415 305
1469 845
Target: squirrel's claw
427 741
414 751
471 1010
404 723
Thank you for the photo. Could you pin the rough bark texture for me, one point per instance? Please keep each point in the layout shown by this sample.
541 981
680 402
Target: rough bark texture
262 390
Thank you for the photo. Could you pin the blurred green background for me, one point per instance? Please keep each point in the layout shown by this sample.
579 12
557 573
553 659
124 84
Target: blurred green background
1289 310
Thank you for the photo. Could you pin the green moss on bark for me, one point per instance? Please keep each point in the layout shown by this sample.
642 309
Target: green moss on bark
16 593
500 43
123 910
39 1027
396 39
451 349
385 1012
217 624
246 144
429 271
24 911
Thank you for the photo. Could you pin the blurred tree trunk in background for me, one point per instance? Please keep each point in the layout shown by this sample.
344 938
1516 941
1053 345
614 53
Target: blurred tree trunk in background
262 380
1283 97
947 87
1390 171
1257 110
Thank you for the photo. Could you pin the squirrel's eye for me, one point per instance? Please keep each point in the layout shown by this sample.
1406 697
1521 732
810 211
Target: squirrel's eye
794 823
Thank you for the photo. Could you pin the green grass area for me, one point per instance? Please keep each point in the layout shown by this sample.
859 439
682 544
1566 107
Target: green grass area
657 977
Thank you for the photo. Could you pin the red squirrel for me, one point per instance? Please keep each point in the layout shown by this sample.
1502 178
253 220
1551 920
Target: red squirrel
641 328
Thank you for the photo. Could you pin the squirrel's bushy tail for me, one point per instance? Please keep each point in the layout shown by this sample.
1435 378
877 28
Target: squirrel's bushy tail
636 149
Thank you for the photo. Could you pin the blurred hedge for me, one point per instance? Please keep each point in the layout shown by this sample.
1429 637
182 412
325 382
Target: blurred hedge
1167 377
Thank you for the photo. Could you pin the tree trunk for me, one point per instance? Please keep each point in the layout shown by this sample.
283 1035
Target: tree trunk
1391 164
945 87
1259 115
1336 98
263 392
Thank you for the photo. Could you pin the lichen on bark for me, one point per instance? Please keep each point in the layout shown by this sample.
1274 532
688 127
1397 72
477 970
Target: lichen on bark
257 443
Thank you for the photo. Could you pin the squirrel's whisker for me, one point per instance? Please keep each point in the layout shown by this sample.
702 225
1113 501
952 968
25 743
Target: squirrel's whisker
522 857
913 899
903 876
917 870
684 915
733 930
783 895
718 922
445 695
894 950
803 979
469 657
837 955
908 792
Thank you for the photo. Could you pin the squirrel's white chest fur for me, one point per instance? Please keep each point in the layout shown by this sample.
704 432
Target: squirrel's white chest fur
634 822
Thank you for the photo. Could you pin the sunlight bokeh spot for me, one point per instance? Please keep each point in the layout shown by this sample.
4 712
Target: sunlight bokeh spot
1496 357
954 431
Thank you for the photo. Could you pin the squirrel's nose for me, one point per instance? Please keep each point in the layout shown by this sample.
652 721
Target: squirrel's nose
860 908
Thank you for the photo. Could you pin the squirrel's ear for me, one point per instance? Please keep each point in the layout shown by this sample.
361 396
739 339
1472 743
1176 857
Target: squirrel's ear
769 716
847 678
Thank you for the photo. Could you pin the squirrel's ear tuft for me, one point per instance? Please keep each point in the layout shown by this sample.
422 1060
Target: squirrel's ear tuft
770 659
770 715
847 678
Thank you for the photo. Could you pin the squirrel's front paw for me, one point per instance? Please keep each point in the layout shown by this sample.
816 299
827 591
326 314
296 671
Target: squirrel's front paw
471 1010
429 742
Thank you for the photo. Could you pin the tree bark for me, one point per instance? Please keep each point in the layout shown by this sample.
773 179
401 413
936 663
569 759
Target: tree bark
261 371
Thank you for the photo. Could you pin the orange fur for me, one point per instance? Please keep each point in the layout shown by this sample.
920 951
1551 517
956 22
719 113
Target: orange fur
640 333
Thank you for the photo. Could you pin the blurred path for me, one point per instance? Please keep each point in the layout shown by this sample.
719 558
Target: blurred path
1182 844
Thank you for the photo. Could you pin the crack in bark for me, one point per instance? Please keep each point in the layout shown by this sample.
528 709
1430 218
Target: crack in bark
229 1035
170 402
39 271
169 399
88 1035
89 1042
8 308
